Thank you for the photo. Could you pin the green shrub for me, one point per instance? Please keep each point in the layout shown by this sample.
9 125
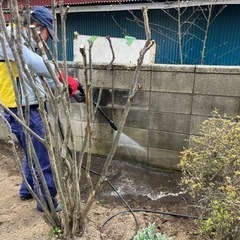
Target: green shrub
149 234
211 173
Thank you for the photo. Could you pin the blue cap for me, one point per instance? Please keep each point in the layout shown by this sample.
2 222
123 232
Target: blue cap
44 16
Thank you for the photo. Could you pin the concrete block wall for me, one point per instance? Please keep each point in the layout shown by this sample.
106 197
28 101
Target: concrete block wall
173 101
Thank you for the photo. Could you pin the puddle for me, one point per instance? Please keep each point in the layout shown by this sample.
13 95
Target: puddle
135 181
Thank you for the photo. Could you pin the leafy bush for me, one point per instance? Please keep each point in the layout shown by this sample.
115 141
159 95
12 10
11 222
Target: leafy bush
149 234
211 173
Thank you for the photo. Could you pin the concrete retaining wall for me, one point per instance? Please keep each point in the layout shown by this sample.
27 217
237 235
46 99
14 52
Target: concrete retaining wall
173 101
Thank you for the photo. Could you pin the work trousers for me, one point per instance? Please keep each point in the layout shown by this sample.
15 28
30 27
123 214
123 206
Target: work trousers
36 124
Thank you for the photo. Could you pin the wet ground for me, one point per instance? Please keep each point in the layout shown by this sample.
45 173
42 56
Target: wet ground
136 181
139 185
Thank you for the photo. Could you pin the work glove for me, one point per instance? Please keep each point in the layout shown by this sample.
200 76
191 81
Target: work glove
75 88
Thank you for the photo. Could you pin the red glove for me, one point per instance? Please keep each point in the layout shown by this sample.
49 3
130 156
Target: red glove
74 87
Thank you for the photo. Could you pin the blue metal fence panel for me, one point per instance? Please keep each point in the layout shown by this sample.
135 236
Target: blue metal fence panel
222 39
223 43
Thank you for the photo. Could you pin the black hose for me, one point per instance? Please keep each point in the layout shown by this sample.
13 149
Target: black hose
123 200
147 211
112 124
150 211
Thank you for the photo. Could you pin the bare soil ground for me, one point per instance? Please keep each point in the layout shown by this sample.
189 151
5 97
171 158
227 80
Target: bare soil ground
19 220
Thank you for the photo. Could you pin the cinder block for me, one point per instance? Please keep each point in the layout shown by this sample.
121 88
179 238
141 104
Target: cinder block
80 75
167 140
144 80
78 143
196 121
205 105
102 131
78 111
172 122
102 78
137 119
140 101
117 116
217 84
178 82
134 137
78 128
122 79
171 102
105 96
165 159
120 98
99 117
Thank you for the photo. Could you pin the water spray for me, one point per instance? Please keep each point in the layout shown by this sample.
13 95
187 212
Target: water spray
124 140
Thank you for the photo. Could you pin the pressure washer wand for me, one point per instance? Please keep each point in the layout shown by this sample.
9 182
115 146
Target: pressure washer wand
112 124
79 96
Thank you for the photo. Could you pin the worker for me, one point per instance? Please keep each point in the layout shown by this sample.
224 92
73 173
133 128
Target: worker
42 18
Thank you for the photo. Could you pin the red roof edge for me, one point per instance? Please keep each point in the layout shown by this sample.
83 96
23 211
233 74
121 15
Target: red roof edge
47 3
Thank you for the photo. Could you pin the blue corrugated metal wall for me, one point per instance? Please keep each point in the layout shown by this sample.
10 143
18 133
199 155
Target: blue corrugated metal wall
222 42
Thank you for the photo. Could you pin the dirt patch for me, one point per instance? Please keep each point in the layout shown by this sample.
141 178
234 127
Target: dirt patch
20 220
